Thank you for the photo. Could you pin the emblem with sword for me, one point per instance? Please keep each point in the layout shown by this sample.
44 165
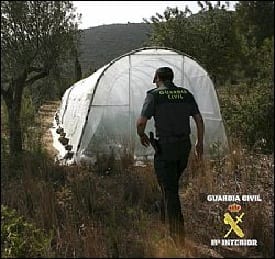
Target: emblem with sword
234 224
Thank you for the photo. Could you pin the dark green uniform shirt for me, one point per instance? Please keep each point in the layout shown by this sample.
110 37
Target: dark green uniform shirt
171 107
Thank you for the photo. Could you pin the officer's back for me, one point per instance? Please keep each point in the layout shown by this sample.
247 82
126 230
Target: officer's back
171 109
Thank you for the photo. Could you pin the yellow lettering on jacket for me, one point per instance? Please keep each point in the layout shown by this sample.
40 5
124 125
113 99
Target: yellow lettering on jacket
175 96
174 92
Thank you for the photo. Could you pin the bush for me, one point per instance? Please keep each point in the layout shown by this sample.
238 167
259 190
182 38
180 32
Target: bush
20 238
249 116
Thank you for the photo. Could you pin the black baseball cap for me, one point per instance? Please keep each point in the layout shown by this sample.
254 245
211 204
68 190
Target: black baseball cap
164 73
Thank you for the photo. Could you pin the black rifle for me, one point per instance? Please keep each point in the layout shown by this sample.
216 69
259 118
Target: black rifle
154 142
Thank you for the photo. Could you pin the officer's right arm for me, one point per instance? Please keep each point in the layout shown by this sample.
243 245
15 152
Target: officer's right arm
200 132
146 114
195 113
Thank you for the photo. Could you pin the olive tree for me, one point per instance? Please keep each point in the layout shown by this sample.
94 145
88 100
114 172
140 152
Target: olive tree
35 36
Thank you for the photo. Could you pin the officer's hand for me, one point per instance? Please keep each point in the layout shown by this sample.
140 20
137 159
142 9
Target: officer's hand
145 140
199 150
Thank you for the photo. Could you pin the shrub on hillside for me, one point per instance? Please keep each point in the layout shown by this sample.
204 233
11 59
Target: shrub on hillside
20 238
249 115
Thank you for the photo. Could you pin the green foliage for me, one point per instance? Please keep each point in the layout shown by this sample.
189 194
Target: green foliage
232 46
20 238
169 29
249 115
54 85
4 132
207 36
43 42
29 120
226 43
255 20
248 109
264 61
254 28
36 36
216 46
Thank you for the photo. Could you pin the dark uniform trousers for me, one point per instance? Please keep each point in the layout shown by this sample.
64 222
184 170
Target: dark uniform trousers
169 165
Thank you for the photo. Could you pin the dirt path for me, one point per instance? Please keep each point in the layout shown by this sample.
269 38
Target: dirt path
46 117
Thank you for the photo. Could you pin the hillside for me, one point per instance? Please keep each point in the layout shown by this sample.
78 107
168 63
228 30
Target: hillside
101 44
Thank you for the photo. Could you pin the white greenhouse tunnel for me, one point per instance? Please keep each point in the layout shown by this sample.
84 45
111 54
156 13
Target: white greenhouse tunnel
98 113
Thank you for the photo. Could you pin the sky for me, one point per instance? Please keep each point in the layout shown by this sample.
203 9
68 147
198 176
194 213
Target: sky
96 13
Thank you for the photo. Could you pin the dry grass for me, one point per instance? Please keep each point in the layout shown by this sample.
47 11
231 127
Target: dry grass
97 213
92 215
240 172
112 215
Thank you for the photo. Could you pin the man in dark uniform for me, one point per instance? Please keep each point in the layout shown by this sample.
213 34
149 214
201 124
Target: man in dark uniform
171 107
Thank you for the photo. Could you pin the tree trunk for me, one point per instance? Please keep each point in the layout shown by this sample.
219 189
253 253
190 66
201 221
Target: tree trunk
78 72
16 140
13 101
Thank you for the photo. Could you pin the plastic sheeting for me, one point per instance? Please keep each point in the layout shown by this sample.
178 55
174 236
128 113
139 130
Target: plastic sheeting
98 113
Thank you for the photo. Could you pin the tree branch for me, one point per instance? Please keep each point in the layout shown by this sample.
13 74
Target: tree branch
36 77
36 69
